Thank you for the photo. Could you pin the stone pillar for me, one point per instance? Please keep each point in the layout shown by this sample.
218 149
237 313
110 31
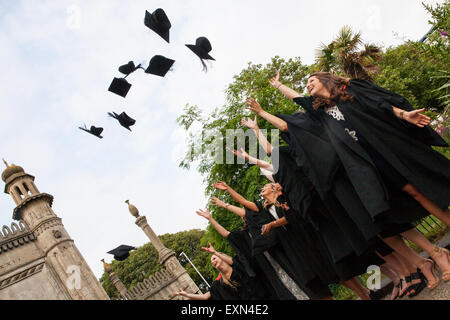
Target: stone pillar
114 278
166 256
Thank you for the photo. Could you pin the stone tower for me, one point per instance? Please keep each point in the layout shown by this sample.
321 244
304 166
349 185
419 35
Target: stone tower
64 266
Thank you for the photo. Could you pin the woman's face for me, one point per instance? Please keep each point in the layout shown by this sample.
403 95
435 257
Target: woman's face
215 261
267 191
316 88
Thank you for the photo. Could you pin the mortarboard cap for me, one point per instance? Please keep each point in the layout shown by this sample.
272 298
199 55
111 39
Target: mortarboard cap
127 68
124 120
120 86
159 65
93 130
201 48
121 252
158 22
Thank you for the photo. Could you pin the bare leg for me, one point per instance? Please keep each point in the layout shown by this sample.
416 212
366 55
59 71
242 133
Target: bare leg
429 205
402 271
439 255
392 274
328 298
355 285
397 243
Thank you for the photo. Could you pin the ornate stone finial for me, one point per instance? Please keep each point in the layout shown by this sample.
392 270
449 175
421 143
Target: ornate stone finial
133 210
107 266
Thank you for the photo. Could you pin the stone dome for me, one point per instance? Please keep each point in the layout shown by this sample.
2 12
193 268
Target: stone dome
10 170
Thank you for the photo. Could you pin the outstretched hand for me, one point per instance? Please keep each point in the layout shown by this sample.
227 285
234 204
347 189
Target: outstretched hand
210 249
252 124
254 106
221 185
275 81
217 202
179 293
241 154
205 214
416 118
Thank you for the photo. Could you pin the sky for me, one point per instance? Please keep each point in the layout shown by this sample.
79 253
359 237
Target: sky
59 57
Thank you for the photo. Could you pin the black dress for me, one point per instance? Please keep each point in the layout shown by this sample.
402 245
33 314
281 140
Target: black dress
331 254
403 146
287 251
392 211
258 268
222 291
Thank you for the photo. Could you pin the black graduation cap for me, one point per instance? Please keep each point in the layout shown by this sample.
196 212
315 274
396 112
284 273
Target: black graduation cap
158 22
94 130
128 68
124 120
201 48
159 65
121 252
120 86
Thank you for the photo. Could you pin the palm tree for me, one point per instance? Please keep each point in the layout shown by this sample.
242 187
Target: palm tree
344 56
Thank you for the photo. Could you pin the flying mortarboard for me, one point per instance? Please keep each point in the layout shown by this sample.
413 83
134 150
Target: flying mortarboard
120 86
202 48
128 68
159 65
158 22
93 130
124 120
121 252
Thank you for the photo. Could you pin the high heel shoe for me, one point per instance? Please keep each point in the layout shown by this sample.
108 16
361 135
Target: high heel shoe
431 285
418 287
438 251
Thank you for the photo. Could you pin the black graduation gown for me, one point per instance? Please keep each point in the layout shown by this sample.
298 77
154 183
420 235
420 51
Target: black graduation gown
258 268
221 291
309 220
330 180
404 146
391 212
285 250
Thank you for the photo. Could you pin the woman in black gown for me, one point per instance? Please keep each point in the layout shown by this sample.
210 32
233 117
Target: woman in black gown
230 286
338 165
312 218
258 268
289 253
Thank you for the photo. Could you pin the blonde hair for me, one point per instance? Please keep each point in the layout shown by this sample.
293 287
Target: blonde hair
276 187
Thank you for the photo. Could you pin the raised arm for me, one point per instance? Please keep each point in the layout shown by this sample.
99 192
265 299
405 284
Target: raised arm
260 163
221 255
414 116
285 90
253 124
207 215
236 196
193 296
219 203
275 121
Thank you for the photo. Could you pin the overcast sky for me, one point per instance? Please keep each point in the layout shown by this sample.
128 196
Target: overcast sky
58 58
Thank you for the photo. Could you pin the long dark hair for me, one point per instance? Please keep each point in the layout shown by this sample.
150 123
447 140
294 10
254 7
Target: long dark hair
335 85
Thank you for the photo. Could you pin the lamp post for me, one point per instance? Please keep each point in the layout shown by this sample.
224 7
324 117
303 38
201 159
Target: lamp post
184 254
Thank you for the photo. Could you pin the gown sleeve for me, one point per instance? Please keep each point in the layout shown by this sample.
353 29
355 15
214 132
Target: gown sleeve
372 96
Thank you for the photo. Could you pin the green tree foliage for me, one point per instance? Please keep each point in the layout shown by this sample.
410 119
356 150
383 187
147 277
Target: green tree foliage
143 261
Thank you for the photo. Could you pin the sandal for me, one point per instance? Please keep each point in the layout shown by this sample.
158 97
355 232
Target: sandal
401 288
438 250
411 289
418 287
431 285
